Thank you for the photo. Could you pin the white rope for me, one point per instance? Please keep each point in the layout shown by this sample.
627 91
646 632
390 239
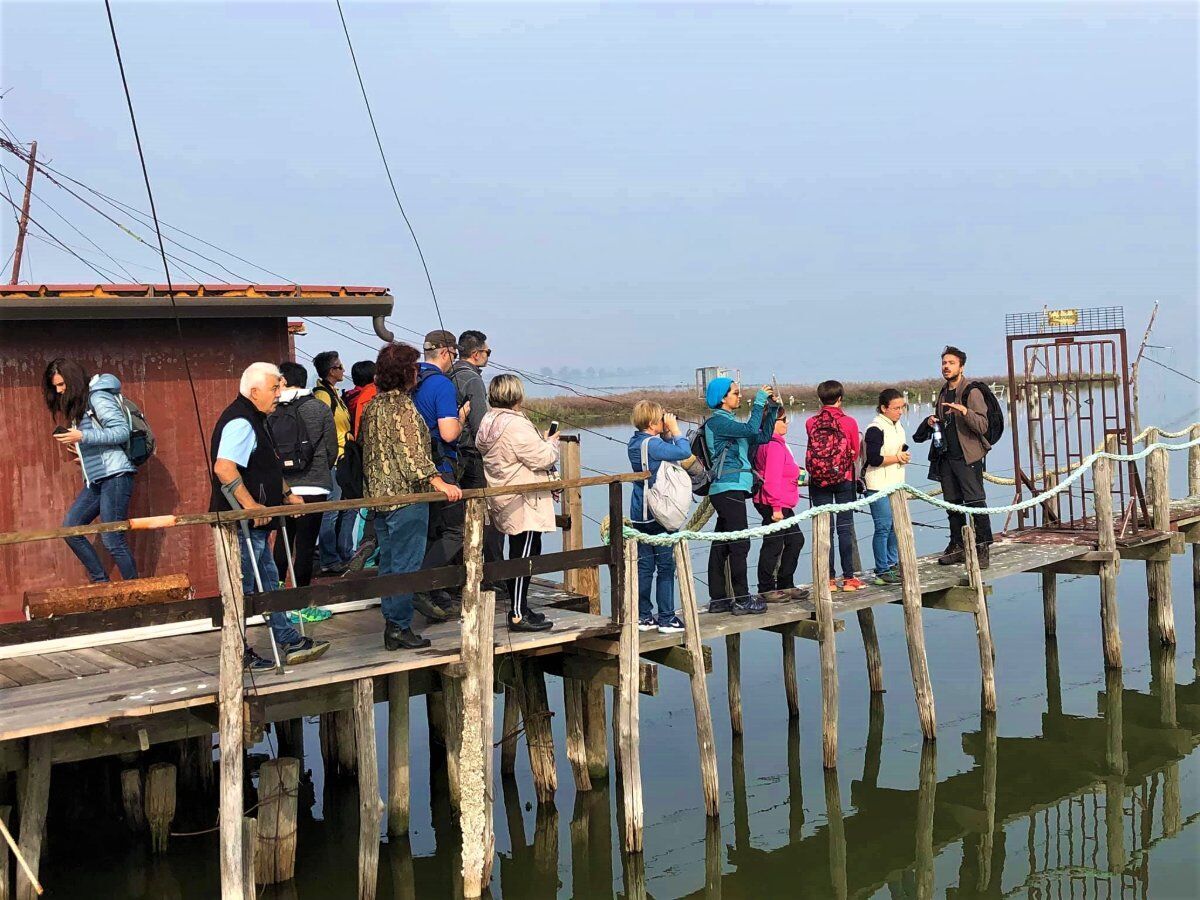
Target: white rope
664 540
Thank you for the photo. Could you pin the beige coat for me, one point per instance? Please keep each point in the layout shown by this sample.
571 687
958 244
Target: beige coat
514 452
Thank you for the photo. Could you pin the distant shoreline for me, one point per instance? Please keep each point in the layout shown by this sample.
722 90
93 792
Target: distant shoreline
614 409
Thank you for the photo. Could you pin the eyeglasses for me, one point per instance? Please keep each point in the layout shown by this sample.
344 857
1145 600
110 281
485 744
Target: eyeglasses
338 366
487 351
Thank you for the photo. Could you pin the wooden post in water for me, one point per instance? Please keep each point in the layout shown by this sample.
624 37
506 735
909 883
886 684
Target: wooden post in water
278 804
160 804
399 776
539 736
913 627
508 732
1194 491
132 800
733 673
230 700
573 707
1158 572
1102 483
452 700
34 797
983 628
870 638
833 815
1116 767
695 648
624 585
791 689
988 838
249 845
828 649
1050 603
475 745
370 806
926 795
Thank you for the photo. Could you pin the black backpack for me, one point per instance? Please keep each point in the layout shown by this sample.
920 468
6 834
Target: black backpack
350 475
995 412
704 471
292 441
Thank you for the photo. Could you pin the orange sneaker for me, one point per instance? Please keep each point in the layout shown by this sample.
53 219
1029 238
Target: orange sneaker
852 584
834 587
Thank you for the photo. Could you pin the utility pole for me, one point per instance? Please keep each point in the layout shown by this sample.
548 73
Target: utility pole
1137 364
23 223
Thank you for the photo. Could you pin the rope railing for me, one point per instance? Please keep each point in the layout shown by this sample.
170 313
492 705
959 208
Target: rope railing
665 540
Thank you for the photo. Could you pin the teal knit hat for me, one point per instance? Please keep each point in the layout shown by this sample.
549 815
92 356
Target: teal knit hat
716 391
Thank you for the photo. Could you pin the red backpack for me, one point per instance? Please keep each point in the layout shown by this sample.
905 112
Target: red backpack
829 454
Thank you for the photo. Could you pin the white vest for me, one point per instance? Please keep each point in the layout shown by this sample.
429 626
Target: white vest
880 477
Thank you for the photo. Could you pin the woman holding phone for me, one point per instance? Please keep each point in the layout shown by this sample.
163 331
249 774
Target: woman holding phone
92 424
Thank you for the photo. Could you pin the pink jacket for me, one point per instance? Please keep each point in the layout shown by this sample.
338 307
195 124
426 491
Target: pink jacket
780 475
514 452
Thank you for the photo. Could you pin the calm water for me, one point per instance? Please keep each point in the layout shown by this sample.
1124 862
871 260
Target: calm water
875 828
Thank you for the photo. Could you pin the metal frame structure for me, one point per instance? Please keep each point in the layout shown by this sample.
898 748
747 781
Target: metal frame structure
1069 369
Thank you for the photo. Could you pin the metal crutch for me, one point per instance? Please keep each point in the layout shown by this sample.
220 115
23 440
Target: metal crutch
244 525
287 550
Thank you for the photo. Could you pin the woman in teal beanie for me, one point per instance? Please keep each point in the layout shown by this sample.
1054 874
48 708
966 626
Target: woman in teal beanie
731 445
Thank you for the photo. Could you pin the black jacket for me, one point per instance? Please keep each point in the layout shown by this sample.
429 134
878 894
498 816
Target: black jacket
263 473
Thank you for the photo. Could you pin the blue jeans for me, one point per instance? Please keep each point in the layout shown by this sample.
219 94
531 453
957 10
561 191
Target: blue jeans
337 529
401 536
108 499
285 634
842 492
887 551
652 560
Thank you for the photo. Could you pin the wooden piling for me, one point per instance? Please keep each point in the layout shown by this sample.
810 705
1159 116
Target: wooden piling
249 841
625 584
926 795
132 800
988 838
452 698
828 650
5 855
160 804
230 712
983 628
347 754
1102 483
712 858
913 628
733 672
508 734
1050 603
1158 572
399 776
278 804
1194 491
539 735
791 689
795 783
34 797
1116 767
370 806
573 700
870 639
705 740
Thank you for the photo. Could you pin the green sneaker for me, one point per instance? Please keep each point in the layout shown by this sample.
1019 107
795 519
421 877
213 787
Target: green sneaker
309 615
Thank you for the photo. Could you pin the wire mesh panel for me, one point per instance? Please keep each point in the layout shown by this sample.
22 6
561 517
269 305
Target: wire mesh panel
1065 321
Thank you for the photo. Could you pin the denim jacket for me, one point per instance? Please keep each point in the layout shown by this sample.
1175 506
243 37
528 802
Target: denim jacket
738 441
105 432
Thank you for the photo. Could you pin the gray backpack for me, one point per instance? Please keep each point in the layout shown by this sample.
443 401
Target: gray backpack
669 499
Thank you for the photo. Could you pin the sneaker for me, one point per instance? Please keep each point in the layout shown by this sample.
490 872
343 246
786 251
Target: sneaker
304 650
985 555
719 606
799 593
335 570
852 584
647 623
888 577
397 638
834 585
362 556
670 625
426 607
535 617
751 606
781 596
309 615
528 624
953 556
444 600
253 662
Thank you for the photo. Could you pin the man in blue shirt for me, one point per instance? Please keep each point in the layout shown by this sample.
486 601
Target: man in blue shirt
436 400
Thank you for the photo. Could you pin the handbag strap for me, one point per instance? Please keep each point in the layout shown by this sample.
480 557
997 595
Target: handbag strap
646 483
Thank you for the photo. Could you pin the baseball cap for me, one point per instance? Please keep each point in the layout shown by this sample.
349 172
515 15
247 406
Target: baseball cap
437 339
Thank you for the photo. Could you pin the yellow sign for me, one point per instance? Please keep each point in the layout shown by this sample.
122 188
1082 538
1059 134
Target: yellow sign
1062 317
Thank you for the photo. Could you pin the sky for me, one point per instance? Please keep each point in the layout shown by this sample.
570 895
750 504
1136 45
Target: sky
810 190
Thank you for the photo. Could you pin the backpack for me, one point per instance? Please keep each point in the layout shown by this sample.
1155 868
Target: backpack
437 446
669 498
995 412
350 476
292 442
703 472
141 444
829 453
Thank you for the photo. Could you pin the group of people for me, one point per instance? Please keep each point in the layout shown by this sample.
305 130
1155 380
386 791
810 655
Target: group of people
424 420
751 460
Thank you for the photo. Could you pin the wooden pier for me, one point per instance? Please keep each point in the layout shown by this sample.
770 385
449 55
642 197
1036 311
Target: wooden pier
100 697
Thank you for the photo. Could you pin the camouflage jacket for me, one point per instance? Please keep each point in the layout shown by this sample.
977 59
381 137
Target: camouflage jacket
395 447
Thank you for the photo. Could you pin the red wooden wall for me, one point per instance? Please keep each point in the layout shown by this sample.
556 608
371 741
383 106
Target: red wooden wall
38 481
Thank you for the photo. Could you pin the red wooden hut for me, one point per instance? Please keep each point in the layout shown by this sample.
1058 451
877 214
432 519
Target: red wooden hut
140 333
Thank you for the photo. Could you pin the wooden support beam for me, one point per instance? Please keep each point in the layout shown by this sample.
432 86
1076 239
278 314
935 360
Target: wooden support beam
791 690
249 837
278 805
926 796
805 629
32 803
583 665
539 736
1102 482
983 628
370 806
1153 548
508 733
5 855
987 840
625 597
958 598
573 693
733 674
870 638
399 776
234 873
679 658
828 649
133 800
914 629
694 649
1050 603
452 699
1158 572
160 804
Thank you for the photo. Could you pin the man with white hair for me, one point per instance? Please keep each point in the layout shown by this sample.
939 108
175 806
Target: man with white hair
245 464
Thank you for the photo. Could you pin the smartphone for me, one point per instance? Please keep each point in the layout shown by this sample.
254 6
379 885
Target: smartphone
553 429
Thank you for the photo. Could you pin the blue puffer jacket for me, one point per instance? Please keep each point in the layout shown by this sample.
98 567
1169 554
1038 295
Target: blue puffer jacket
105 431
738 441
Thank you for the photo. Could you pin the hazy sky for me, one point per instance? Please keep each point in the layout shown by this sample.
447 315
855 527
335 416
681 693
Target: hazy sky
817 190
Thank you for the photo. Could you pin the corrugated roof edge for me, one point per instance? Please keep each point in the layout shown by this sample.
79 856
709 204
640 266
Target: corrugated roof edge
186 290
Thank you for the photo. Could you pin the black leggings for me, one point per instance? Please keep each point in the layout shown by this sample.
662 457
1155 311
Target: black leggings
779 554
730 507
524 545
302 533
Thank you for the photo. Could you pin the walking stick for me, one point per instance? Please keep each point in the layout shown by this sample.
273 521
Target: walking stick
244 524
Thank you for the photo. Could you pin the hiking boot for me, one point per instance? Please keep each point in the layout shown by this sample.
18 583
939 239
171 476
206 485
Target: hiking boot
985 555
426 607
251 661
719 606
780 596
888 577
528 623
647 623
362 556
304 650
751 606
397 638
852 584
953 556
671 624
445 600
